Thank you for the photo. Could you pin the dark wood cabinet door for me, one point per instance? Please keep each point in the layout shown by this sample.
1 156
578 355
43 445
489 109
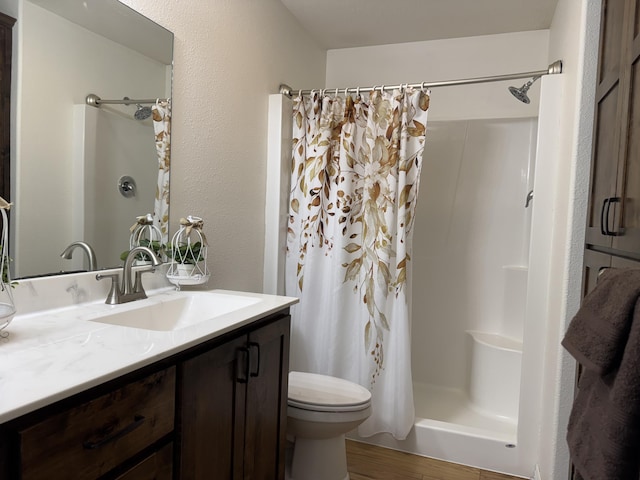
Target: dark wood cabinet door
6 25
157 466
266 414
614 202
594 263
628 179
212 413
609 108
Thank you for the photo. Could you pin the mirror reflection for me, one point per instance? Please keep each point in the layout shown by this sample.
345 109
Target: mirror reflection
84 172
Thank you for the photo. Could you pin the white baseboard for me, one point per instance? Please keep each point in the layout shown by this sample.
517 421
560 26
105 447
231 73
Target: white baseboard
536 474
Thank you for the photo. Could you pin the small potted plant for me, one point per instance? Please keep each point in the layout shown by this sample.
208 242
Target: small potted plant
188 253
186 256
142 258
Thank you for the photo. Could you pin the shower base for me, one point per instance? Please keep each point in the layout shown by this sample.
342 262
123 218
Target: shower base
448 405
449 428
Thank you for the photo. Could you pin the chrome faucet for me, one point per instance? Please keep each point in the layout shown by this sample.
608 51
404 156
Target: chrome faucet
90 253
129 291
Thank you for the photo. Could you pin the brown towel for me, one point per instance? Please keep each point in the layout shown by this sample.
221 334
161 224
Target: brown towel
604 336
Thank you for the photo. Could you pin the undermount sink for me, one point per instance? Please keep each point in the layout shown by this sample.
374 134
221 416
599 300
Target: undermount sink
168 312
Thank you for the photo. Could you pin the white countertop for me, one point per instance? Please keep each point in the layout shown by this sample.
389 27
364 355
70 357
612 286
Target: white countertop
51 354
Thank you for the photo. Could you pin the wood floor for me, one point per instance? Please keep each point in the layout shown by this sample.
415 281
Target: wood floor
369 462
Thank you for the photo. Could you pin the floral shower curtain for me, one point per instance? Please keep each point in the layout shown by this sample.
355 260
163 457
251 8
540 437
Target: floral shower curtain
354 185
162 129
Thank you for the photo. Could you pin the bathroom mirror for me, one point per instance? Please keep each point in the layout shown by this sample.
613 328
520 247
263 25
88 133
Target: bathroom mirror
71 158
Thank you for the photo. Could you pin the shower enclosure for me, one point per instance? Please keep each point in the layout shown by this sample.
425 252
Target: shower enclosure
470 265
470 268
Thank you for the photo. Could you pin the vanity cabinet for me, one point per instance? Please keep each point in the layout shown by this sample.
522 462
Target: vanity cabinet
233 407
216 410
96 436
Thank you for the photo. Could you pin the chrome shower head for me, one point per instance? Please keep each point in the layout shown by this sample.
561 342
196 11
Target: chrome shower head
521 93
142 113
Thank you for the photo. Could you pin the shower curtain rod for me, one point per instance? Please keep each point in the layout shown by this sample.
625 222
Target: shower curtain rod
95 101
554 68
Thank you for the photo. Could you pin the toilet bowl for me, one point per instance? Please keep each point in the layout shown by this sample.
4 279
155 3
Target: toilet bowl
321 410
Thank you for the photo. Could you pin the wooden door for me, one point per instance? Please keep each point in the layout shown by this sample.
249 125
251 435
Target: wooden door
628 179
267 390
609 109
211 418
594 264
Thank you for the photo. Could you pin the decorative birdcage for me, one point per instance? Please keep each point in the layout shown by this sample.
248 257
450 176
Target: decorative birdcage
145 234
7 305
188 253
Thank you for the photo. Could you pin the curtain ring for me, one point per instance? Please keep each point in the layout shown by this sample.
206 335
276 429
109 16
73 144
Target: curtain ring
300 93
357 93
336 91
422 87
381 88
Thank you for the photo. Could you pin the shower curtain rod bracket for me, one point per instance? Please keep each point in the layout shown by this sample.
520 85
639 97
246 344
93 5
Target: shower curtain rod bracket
285 89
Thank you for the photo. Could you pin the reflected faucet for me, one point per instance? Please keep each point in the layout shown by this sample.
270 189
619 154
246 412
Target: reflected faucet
129 291
90 253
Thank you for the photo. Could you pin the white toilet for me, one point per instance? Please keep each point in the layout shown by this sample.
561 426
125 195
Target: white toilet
321 411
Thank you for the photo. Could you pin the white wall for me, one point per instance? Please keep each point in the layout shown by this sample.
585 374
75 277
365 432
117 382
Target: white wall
229 56
574 38
450 59
50 82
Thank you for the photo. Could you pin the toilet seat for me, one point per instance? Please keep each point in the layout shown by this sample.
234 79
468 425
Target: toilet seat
321 393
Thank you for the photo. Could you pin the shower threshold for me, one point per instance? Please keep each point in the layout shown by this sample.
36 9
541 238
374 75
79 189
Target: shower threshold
449 428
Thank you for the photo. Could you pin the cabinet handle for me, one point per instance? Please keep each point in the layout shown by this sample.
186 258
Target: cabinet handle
257 347
604 219
138 420
242 365
609 232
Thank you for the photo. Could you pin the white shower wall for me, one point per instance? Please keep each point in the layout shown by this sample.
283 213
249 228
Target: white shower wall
470 242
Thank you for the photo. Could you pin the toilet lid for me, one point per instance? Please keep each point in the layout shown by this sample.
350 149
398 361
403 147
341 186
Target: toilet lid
311 391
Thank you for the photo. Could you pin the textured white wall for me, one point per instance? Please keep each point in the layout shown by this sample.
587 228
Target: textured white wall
229 56
574 37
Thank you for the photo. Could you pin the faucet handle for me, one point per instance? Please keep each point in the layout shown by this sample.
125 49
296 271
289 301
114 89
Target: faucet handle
113 298
137 287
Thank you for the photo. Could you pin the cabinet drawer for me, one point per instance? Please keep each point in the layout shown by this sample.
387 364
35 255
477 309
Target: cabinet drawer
157 466
89 440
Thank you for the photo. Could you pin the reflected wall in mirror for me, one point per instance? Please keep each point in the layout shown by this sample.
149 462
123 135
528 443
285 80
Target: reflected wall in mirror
70 156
